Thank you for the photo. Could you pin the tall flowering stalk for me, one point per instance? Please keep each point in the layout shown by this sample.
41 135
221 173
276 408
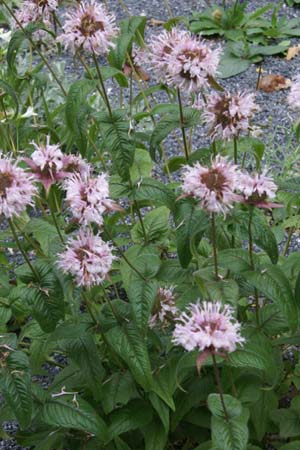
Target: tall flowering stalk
214 188
210 328
227 116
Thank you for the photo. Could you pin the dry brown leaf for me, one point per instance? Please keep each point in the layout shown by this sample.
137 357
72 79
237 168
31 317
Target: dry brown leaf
138 73
292 52
271 83
155 22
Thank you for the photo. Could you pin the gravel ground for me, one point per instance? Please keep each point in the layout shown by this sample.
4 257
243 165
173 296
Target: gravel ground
274 114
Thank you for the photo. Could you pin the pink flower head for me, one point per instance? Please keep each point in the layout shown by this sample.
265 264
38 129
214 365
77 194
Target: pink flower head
257 189
165 309
88 197
227 115
214 186
208 326
89 27
191 63
161 47
36 11
46 163
75 164
294 95
16 188
87 257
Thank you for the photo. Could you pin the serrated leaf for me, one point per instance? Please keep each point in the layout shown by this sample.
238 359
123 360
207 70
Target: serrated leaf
155 436
190 224
44 233
273 283
155 192
135 415
156 226
128 343
142 165
118 391
118 140
15 385
260 412
229 433
142 295
78 415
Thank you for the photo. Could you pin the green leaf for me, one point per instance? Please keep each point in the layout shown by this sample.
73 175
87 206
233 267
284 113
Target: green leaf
264 237
79 345
118 391
231 65
230 434
155 436
161 409
273 283
190 225
156 226
15 385
44 296
235 259
142 295
77 110
155 192
118 140
128 343
170 122
258 354
288 419
135 415
142 165
295 445
78 415
6 89
146 259
44 233
260 412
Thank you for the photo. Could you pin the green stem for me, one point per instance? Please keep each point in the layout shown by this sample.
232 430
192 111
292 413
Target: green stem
35 48
251 210
141 221
102 85
214 147
33 270
219 385
235 150
186 151
288 241
124 256
214 244
52 212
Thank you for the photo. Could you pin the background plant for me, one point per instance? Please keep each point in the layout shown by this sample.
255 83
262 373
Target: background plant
120 382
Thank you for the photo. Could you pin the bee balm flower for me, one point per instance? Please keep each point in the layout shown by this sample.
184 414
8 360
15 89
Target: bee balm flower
165 309
36 11
16 188
191 63
208 326
87 257
257 189
88 198
214 186
227 115
89 27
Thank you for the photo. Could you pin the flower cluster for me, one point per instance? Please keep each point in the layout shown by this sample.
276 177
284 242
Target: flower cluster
217 187
49 165
183 60
16 188
89 27
36 11
88 197
214 186
227 115
208 326
164 310
87 257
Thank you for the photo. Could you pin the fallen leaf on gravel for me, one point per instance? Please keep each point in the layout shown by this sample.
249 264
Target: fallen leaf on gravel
155 22
271 83
292 52
138 73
